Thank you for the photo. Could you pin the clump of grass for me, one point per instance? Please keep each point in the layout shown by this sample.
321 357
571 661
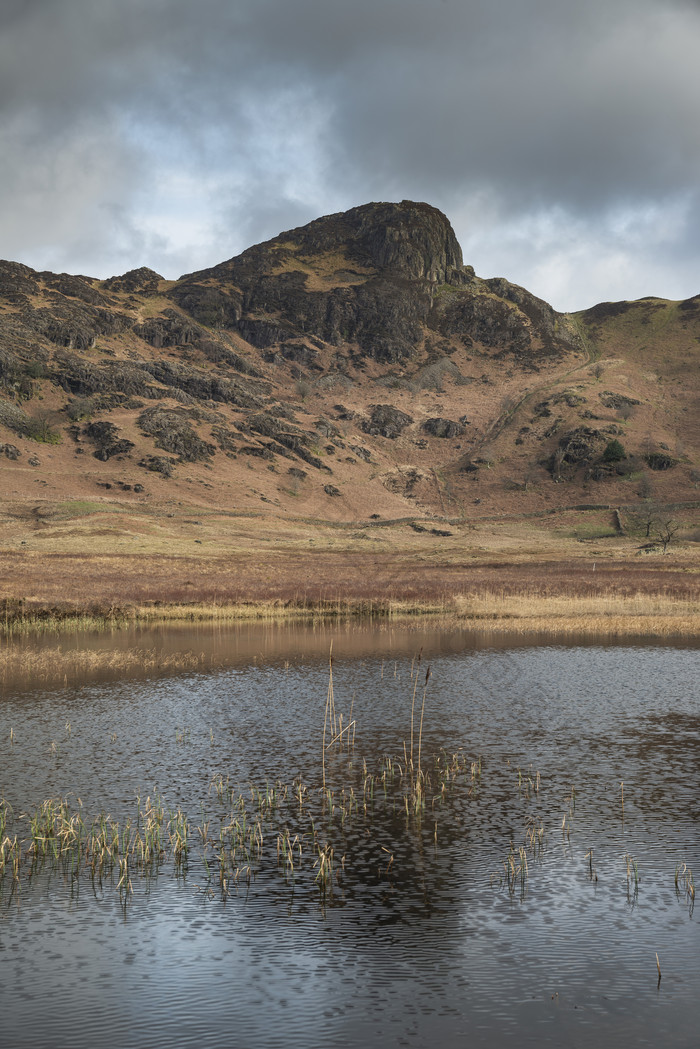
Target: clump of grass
571 614
51 665
685 884
515 870
324 863
298 831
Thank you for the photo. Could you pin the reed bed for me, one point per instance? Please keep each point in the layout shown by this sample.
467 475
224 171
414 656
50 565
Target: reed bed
503 614
506 609
27 620
407 809
55 664
293 830
299 831
603 614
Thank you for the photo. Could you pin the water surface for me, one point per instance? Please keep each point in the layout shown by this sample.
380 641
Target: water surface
421 937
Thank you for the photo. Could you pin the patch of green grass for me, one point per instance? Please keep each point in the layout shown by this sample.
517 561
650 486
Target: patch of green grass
84 507
593 530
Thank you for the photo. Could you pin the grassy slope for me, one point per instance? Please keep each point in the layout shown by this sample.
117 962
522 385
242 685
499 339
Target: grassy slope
227 530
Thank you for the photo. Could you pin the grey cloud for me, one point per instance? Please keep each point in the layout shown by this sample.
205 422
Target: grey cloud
289 108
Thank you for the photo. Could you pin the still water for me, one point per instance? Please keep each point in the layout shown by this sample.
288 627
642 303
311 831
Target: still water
525 894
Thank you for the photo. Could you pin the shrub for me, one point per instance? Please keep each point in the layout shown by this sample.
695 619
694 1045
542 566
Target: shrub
614 452
26 426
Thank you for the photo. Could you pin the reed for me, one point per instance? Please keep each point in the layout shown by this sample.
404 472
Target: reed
685 884
422 712
295 831
54 664
516 870
516 606
632 872
641 613
330 707
324 864
413 700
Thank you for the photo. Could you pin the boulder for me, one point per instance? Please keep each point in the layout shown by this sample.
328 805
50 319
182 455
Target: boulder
386 421
439 427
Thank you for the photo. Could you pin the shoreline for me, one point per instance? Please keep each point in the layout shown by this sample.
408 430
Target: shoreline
497 580
652 614
51 651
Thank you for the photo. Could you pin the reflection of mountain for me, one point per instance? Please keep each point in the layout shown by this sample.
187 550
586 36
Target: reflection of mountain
668 744
352 364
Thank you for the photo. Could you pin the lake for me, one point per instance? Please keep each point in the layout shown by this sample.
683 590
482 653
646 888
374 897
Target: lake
282 877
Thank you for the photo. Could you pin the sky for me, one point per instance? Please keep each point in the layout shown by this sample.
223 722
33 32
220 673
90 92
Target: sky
561 138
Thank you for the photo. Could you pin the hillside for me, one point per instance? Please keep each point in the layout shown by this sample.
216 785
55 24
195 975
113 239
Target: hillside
351 370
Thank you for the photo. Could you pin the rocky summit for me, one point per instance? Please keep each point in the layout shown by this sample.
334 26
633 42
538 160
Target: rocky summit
351 369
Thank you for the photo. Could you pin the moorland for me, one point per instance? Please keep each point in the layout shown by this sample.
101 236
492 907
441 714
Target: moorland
346 420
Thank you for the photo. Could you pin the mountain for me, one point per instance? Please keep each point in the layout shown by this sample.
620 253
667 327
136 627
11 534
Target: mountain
352 369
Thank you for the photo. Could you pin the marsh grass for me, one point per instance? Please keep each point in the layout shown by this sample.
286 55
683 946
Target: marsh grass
685 885
297 830
557 607
657 614
399 814
54 664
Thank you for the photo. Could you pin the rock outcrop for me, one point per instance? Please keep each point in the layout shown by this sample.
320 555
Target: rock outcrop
357 346
371 276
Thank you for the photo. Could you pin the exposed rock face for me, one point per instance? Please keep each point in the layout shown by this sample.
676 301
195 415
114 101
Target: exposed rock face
173 433
386 421
367 276
403 481
168 330
75 326
142 279
410 239
439 427
581 445
287 438
156 464
617 400
225 362
17 283
104 436
660 461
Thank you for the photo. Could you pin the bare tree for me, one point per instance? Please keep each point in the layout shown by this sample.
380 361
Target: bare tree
666 531
557 460
646 518
646 487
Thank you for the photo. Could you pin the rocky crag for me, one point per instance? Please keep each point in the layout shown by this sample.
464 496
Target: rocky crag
349 368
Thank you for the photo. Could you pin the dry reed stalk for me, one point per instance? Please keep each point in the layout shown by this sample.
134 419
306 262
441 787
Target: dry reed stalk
329 706
53 664
413 700
422 711
601 614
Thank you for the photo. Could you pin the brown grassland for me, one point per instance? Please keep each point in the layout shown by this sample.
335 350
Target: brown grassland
510 575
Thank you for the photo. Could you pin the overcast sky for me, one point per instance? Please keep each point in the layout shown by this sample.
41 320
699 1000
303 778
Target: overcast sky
561 138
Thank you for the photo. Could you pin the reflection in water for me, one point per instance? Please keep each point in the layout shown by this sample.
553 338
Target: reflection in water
503 907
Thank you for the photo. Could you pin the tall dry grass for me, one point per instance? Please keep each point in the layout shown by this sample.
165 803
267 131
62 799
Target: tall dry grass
605 612
613 614
55 664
